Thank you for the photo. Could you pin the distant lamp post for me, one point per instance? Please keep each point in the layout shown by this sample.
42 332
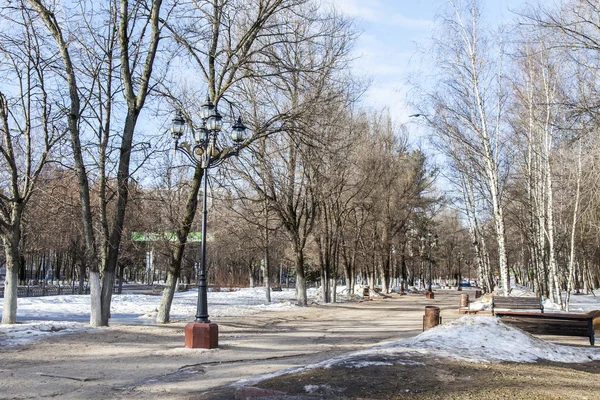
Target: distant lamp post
468 262
207 153
460 258
429 241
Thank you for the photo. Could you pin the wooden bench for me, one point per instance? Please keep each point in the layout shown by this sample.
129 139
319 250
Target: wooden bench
516 303
276 289
562 324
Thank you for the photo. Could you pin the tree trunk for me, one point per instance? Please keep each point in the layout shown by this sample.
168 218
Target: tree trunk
349 277
554 278
266 277
266 265
108 283
134 106
570 269
11 251
177 254
501 241
95 299
301 298
384 270
166 300
251 276
81 286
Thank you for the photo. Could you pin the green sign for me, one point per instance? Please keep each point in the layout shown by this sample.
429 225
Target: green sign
166 236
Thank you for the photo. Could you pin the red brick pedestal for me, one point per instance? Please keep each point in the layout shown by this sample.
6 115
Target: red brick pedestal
201 335
429 295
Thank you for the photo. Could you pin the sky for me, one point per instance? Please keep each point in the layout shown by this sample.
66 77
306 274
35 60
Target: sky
393 32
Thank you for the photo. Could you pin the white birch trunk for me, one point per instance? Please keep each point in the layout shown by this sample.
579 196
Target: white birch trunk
9 309
266 279
548 138
573 227
95 299
490 161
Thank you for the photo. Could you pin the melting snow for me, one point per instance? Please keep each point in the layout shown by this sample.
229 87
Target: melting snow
469 338
488 339
21 334
34 314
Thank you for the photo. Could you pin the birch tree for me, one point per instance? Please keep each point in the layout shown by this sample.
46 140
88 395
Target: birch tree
469 104
538 95
571 265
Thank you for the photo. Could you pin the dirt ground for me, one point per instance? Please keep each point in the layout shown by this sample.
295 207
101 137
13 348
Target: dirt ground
130 362
444 379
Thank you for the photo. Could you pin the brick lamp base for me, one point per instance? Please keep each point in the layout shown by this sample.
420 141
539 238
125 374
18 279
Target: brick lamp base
201 335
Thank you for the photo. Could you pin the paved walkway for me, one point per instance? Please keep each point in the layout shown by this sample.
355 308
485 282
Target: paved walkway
150 361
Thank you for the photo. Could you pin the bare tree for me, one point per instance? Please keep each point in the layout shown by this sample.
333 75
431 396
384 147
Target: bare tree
137 60
225 42
29 128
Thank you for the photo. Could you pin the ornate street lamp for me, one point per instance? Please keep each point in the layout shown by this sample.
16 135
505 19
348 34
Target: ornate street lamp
206 153
430 241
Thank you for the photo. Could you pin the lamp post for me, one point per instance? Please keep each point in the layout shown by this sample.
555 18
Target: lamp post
422 254
205 153
430 241
468 262
460 257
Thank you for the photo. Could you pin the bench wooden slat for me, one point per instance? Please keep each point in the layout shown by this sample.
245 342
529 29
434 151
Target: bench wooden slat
562 324
500 302
516 303
559 316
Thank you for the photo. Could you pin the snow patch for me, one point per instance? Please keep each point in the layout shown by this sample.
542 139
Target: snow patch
20 334
363 364
321 389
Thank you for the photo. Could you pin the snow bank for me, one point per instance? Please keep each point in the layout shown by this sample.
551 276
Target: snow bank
469 338
73 310
131 306
521 291
477 338
578 303
40 314
488 339
27 333
515 290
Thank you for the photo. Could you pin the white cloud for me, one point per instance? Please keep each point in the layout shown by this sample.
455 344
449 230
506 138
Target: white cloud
357 9
402 21
391 96
380 13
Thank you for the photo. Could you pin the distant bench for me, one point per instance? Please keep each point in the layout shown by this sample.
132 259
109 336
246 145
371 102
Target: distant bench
553 323
516 303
